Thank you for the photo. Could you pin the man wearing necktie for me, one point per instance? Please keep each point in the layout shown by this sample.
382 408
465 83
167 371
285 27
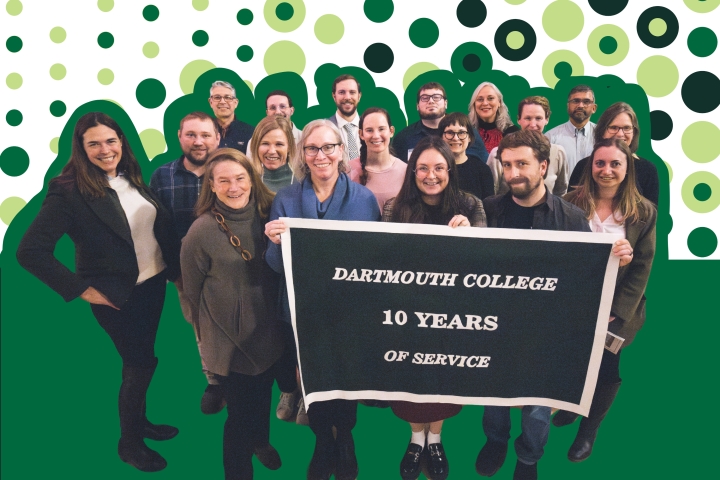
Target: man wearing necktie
347 93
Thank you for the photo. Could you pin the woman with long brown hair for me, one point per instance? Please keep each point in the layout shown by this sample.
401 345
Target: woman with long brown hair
125 250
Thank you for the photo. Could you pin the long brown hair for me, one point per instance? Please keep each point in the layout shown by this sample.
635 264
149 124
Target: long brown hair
627 200
267 125
262 195
609 115
90 179
363 145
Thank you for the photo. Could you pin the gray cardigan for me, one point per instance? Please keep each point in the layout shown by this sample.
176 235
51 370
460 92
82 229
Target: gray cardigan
233 301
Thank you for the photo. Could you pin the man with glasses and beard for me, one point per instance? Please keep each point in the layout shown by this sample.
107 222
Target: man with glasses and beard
233 133
577 136
431 106
177 185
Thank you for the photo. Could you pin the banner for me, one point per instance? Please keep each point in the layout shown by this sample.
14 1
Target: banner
428 313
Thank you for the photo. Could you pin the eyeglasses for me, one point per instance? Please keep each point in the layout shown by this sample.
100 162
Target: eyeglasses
614 129
219 98
585 101
439 170
437 98
327 149
279 108
449 134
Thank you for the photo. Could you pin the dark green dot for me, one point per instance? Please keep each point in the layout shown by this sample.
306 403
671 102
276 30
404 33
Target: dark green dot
151 13
424 33
14 161
58 108
608 8
284 11
471 62
702 42
562 70
379 57
608 45
14 118
14 44
661 125
378 11
150 93
701 92
702 192
244 17
471 13
702 242
106 40
245 53
200 38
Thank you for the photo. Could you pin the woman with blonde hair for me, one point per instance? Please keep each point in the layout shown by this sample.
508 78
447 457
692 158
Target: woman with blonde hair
489 114
271 148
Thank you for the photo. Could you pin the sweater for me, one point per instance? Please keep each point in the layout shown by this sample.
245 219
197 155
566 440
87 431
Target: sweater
385 184
278 178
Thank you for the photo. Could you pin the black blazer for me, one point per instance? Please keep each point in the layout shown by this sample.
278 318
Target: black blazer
104 250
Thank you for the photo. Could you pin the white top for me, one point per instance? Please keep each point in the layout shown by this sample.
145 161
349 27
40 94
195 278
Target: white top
578 143
341 122
296 135
140 215
612 224
557 177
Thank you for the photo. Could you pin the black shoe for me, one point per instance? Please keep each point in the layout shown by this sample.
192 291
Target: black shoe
346 466
322 463
438 466
563 418
159 432
141 457
524 471
587 432
268 456
582 447
491 458
212 400
410 464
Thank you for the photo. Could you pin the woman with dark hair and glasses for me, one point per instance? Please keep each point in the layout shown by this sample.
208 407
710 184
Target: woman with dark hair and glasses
612 203
323 191
430 195
233 297
376 167
474 176
620 121
125 251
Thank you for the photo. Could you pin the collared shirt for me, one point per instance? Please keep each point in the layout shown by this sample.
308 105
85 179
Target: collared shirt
577 142
341 122
237 135
178 189
553 214
296 135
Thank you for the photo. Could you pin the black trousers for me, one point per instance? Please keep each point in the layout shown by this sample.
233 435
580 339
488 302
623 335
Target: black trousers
133 328
284 369
342 414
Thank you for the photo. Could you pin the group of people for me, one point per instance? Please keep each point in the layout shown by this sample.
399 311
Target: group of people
224 197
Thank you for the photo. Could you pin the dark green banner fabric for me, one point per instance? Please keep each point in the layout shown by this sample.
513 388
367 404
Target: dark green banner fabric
466 315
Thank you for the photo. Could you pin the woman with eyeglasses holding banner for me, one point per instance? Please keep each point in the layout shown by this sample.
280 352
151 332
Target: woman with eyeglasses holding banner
620 121
324 191
430 195
233 297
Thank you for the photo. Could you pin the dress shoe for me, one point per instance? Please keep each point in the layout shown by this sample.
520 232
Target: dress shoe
346 466
159 432
491 458
438 466
212 400
582 447
268 456
563 418
141 456
410 464
524 471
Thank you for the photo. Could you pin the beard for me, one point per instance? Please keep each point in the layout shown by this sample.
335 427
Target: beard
524 188
347 109
432 116
196 160
579 115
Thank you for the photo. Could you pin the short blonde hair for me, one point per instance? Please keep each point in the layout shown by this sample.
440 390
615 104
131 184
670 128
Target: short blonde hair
299 167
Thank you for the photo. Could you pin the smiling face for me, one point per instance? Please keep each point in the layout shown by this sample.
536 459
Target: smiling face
323 167
522 171
609 167
457 146
533 118
103 148
224 109
432 109
376 132
347 96
231 183
581 106
198 139
431 175
279 105
273 149
621 122
486 104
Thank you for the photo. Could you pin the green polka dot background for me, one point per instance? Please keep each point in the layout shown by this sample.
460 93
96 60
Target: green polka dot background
146 55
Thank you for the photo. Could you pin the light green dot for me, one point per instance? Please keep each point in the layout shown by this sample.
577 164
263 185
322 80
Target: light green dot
515 2
14 81
277 24
620 51
105 5
191 72
105 76
415 71
701 142
670 171
329 29
250 85
151 49
657 27
284 56
14 7
200 5
688 187
9 208
548 68
563 20
54 144
658 76
58 71
58 35
515 40
153 142
702 6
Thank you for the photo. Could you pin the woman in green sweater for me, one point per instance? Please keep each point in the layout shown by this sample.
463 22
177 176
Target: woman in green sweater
271 146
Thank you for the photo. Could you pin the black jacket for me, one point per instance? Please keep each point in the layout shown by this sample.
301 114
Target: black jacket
554 214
